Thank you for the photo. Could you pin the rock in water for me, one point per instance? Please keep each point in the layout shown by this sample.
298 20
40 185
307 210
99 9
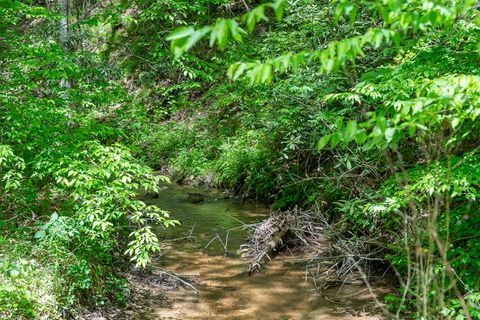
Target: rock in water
195 197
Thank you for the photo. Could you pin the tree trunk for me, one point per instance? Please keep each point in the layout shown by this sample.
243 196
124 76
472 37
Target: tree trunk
63 7
63 33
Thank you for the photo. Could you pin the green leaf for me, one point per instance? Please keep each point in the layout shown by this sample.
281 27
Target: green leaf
278 8
338 13
14 273
180 33
219 34
350 131
194 38
352 13
323 142
361 136
266 73
335 140
339 123
236 70
455 122
54 217
235 30
254 16
389 133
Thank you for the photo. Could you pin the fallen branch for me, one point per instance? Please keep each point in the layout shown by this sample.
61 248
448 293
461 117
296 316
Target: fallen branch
177 278
268 237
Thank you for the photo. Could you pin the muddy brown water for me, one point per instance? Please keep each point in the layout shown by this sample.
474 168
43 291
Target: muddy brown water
225 291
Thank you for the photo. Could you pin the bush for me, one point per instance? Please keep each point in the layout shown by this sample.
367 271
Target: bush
29 288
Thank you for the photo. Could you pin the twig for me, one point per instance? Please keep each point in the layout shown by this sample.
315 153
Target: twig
177 278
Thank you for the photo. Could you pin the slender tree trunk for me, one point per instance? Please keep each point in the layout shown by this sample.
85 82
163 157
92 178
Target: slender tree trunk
63 32
63 7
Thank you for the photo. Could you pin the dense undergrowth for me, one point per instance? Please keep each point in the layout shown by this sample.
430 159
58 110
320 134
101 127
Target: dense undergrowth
386 145
367 111
68 207
259 140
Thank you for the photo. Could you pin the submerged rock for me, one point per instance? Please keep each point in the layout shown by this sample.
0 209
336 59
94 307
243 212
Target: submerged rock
195 197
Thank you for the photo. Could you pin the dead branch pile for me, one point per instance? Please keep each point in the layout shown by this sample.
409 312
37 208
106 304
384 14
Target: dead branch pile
270 235
346 259
332 254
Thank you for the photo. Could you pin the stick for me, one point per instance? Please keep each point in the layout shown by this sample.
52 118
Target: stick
178 278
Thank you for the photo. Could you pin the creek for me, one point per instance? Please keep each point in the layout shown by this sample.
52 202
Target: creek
204 248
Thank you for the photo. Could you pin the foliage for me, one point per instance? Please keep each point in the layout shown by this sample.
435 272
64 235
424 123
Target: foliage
413 104
184 38
27 289
367 110
66 181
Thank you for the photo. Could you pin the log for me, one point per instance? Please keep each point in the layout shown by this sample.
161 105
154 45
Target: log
272 244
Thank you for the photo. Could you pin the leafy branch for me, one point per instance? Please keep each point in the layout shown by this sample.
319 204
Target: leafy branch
184 38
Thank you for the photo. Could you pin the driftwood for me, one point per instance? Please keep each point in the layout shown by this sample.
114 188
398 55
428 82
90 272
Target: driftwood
330 254
276 241
268 237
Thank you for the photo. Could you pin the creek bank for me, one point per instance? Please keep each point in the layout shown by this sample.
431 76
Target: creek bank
206 181
202 181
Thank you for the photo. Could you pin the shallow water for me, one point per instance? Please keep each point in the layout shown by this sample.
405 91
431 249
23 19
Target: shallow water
205 247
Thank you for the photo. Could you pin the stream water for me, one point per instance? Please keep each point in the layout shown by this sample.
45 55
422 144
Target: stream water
225 291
